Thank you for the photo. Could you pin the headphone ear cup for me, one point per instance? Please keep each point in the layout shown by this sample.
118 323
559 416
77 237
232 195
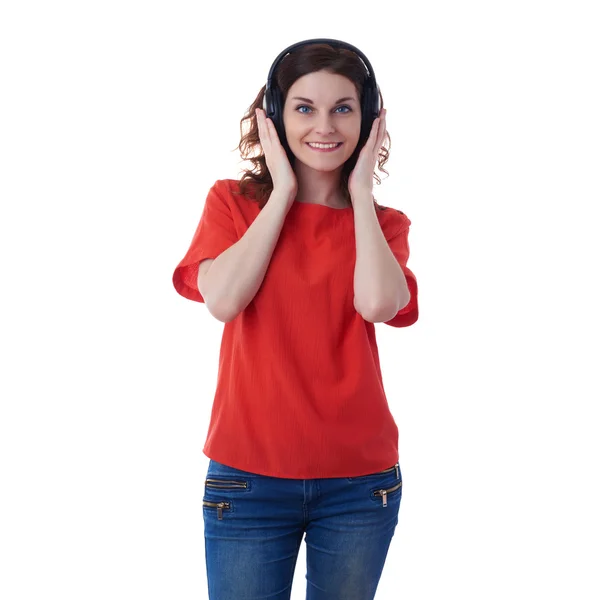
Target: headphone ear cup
372 103
275 112
273 107
272 103
276 106
277 118
368 114
377 102
267 101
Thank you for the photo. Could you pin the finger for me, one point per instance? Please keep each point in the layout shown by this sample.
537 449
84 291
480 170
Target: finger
262 130
273 137
383 129
372 139
269 128
378 127
272 132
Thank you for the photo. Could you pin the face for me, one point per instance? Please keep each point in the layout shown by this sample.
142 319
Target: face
319 117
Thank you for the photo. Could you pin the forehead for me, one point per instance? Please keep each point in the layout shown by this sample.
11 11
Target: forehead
322 86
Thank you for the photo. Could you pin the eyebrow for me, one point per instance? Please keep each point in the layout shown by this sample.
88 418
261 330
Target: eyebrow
336 102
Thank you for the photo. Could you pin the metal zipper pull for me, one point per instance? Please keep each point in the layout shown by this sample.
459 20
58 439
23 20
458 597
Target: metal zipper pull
397 471
384 493
220 510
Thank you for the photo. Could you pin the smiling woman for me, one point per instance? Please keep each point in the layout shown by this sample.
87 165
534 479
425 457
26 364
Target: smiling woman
299 262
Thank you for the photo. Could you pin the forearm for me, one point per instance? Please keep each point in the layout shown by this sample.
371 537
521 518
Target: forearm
237 273
380 287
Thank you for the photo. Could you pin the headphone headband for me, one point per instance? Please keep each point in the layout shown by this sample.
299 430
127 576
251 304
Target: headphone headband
332 42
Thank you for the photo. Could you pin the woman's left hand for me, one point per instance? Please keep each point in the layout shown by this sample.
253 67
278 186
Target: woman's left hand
361 178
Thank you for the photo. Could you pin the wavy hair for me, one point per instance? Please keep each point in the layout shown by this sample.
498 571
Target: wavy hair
256 182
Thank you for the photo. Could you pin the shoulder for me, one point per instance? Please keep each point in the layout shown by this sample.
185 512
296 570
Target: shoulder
392 220
227 192
222 187
230 188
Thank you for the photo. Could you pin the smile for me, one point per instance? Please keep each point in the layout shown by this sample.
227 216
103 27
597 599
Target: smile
324 147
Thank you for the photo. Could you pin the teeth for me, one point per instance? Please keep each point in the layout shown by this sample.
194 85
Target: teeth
322 145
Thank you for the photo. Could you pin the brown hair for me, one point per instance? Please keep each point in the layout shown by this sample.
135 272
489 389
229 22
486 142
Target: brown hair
256 182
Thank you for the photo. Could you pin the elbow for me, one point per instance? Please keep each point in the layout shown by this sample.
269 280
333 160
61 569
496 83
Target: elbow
370 315
379 316
220 310
384 313
218 316
406 300
225 316
230 316
225 309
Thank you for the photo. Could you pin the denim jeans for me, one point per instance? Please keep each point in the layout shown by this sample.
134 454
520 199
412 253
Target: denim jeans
254 525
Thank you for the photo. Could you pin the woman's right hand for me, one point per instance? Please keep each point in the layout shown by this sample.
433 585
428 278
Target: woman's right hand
282 174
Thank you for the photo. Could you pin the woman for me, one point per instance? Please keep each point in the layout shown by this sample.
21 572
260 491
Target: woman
299 262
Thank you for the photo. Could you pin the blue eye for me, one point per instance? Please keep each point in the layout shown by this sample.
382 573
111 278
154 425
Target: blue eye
305 106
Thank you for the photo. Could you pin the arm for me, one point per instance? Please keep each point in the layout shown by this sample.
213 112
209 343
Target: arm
380 288
237 273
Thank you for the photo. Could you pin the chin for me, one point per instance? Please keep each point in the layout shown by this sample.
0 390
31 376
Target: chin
323 158
315 165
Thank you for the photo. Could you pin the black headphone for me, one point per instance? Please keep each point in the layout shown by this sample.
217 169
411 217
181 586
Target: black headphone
370 101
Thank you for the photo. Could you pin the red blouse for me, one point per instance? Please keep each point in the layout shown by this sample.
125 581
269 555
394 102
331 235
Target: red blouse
299 387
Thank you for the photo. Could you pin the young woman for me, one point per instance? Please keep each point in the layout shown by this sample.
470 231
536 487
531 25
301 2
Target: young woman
299 261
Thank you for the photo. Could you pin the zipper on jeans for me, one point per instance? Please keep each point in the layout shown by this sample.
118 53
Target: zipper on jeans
396 468
222 484
219 506
384 493
389 470
226 483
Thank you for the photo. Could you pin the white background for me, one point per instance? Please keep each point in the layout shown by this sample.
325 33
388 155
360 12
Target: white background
116 119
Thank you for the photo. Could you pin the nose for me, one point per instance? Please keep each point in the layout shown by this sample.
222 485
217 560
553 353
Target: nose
324 126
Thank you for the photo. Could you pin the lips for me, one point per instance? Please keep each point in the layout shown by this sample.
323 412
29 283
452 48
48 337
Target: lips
333 149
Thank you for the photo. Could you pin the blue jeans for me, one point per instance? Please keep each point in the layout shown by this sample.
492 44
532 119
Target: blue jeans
254 525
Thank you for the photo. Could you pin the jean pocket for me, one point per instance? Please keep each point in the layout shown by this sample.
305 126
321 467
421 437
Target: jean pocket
219 491
218 506
395 469
225 483
392 492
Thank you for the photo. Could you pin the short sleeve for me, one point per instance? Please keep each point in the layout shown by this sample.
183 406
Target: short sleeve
214 234
399 246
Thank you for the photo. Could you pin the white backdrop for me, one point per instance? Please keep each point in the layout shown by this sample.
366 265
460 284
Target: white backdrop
116 119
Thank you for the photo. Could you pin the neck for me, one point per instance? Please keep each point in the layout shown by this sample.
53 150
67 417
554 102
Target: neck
319 187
